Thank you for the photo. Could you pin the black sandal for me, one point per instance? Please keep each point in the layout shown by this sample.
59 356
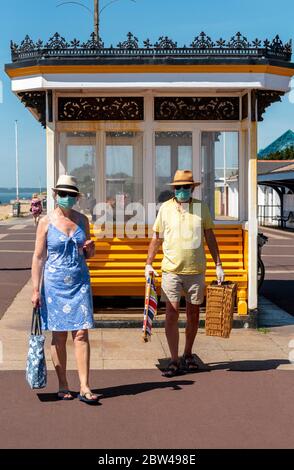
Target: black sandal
173 369
190 362
65 395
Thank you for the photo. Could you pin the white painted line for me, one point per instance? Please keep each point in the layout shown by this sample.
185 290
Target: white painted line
16 251
271 271
278 256
278 246
16 241
272 233
276 237
3 235
17 227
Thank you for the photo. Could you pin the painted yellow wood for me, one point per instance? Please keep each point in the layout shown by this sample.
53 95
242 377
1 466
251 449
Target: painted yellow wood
118 266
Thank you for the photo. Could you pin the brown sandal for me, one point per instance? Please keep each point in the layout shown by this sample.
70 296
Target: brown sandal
173 369
190 362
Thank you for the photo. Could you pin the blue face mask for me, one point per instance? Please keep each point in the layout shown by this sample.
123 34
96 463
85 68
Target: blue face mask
66 202
183 195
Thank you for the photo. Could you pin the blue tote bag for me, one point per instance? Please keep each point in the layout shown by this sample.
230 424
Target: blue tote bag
36 371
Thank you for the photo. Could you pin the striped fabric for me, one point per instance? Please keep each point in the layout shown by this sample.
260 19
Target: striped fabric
150 309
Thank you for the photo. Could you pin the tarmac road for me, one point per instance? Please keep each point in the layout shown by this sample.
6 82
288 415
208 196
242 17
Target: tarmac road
141 409
278 258
17 240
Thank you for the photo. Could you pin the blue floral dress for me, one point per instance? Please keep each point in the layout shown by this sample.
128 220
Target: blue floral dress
66 296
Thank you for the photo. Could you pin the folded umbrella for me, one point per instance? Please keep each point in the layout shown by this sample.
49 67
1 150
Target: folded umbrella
150 309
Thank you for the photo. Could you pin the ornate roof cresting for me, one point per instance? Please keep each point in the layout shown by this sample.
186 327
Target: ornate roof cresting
201 46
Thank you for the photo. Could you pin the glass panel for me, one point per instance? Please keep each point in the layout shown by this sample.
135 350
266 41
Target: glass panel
78 155
220 174
173 152
124 169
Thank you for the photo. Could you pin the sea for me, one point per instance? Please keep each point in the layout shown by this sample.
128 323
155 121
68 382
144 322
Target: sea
9 194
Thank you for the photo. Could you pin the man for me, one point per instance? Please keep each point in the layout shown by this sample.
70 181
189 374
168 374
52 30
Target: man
182 222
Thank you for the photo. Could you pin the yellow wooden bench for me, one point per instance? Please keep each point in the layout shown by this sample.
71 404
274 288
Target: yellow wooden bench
118 266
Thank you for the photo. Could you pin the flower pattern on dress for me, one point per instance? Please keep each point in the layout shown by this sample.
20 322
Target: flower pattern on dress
66 308
51 269
68 280
49 300
84 309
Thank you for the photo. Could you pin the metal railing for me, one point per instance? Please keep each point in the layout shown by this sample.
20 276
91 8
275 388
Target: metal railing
201 47
266 214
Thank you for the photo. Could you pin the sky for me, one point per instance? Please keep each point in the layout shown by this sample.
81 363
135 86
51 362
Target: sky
180 20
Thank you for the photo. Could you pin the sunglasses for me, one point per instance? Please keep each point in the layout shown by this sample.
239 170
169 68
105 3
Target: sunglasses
65 194
184 186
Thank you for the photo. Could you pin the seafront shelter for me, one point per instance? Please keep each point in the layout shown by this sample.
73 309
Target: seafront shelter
123 118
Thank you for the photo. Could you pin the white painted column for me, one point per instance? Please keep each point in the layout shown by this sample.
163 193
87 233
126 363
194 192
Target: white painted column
149 162
252 217
51 148
196 160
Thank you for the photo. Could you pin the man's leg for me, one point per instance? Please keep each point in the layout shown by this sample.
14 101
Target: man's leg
172 329
192 312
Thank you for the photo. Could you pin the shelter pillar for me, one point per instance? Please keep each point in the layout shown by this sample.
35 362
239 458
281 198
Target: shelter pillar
51 150
252 216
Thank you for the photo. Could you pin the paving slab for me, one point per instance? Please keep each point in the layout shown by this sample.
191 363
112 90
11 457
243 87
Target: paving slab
123 348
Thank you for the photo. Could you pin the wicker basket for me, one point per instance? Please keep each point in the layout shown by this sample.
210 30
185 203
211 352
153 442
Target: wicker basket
220 302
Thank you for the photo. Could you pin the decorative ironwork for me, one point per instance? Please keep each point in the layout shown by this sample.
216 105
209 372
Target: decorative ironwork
36 100
165 43
245 106
57 42
130 43
187 135
202 42
202 46
196 108
263 98
101 109
93 43
239 42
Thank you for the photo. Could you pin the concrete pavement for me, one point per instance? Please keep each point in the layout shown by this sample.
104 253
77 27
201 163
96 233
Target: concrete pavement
241 398
123 348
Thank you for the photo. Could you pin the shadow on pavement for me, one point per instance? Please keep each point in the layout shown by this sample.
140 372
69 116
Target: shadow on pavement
122 390
234 366
280 292
248 366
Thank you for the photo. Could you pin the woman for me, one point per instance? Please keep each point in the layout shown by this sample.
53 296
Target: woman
36 208
62 244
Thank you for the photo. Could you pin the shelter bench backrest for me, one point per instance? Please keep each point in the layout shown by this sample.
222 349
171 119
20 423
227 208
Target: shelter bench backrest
118 266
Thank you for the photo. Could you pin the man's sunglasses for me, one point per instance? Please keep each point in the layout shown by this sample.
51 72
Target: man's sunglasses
65 194
184 186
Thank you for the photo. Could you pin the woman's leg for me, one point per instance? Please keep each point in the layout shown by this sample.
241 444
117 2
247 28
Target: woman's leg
58 353
82 352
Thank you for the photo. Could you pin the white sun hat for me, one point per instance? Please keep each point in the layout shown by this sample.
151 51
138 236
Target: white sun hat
67 183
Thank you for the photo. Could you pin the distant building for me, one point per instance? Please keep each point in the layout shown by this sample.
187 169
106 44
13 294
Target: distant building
275 191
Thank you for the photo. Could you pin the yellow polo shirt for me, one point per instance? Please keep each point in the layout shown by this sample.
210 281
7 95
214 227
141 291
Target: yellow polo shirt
183 235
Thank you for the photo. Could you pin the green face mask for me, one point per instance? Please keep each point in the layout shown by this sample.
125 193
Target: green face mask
66 202
183 195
